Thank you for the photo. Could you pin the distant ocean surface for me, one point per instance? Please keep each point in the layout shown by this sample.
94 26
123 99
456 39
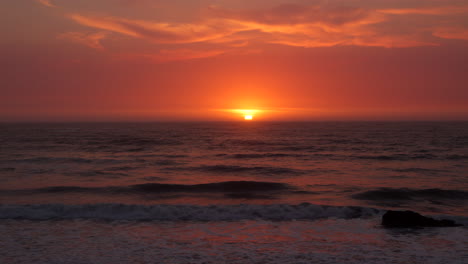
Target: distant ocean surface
247 192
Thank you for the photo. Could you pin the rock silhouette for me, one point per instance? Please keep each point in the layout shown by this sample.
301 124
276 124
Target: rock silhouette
413 219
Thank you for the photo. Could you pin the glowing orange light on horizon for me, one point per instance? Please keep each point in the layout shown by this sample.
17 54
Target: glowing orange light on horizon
256 113
247 114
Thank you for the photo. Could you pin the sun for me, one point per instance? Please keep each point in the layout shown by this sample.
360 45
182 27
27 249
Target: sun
246 114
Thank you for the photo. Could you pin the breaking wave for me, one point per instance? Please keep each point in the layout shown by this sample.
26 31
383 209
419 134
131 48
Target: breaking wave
275 212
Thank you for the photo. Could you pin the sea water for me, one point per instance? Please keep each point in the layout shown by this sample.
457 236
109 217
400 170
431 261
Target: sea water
226 192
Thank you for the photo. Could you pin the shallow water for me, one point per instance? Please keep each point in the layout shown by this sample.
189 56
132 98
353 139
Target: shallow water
322 241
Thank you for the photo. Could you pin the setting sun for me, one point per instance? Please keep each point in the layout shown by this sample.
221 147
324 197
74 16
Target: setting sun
247 114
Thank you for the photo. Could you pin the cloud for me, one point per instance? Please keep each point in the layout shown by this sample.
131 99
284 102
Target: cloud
391 41
92 40
172 33
174 55
47 3
441 10
451 33
279 25
293 14
186 54
319 25
364 40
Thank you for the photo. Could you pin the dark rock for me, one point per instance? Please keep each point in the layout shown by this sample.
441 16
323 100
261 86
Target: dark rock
413 219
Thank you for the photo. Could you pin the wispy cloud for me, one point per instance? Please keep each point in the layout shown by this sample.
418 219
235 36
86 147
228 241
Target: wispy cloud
319 25
451 33
161 32
185 54
293 14
166 55
441 10
92 40
47 3
294 25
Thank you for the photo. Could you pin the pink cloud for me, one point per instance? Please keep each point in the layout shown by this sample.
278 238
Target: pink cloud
451 33
323 25
228 27
161 32
92 40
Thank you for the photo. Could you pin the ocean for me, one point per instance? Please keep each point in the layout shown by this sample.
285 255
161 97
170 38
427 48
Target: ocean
231 192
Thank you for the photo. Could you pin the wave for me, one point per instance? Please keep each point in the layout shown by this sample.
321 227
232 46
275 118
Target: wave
400 157
164 162
142 141
244 187
457 157
416 170
251 142
301 148
265 155
92 173
274 212
258 170
52 159
63 189
229 186
126 144
41 160
409 194
121 168
406 157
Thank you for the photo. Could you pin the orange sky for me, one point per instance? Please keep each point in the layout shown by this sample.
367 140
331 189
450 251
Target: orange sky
150 60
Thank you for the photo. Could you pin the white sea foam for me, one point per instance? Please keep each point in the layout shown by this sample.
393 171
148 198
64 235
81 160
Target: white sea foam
277 212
